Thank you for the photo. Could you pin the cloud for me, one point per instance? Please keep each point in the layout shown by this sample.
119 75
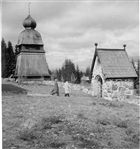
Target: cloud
78 57
70 29
105 15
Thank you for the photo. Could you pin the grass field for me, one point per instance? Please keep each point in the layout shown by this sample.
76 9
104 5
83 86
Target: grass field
76 122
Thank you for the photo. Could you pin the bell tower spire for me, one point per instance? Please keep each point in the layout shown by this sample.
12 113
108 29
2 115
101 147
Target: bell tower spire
29 22
29 8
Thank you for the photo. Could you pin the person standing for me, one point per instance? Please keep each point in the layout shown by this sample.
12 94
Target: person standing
56 88
67 89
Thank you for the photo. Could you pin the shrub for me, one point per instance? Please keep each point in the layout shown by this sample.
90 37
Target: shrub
97 129
47 123
57 144
94 103
111 104
121 123
103 121
81 116
36 133
136 138
129 131
89 143
29 135
115 105
84 139
132 135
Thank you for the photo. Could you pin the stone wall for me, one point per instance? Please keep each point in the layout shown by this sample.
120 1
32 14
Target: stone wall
118 89
95 89
97 70
125 85
108 86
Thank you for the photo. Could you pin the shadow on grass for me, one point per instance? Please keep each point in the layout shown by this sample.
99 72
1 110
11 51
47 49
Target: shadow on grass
9 88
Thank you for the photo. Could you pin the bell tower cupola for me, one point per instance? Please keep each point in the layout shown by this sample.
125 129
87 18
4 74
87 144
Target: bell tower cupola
29 22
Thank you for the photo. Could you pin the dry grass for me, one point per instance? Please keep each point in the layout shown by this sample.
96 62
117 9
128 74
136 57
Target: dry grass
79 121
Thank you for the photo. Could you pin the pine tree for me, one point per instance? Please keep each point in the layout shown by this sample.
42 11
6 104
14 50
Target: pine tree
136 67
68 70
3 51
78 76
73 78
133 63
137 71
59 74
87 73
16 52
81 74
10 57
53 75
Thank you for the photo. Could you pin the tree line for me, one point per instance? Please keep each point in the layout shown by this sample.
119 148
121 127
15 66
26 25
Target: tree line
136 66
8 57
68 71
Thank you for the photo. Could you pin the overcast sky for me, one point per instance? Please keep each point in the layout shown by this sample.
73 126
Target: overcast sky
70 29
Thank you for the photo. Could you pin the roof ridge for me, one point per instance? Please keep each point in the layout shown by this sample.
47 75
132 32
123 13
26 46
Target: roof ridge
110 49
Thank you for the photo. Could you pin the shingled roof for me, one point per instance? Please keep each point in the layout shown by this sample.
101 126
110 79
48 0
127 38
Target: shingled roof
115 63
30 37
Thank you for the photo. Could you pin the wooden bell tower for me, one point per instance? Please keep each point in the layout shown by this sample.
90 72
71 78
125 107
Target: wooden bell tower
31 61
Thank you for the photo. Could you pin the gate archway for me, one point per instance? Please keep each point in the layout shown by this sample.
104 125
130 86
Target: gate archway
99 83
